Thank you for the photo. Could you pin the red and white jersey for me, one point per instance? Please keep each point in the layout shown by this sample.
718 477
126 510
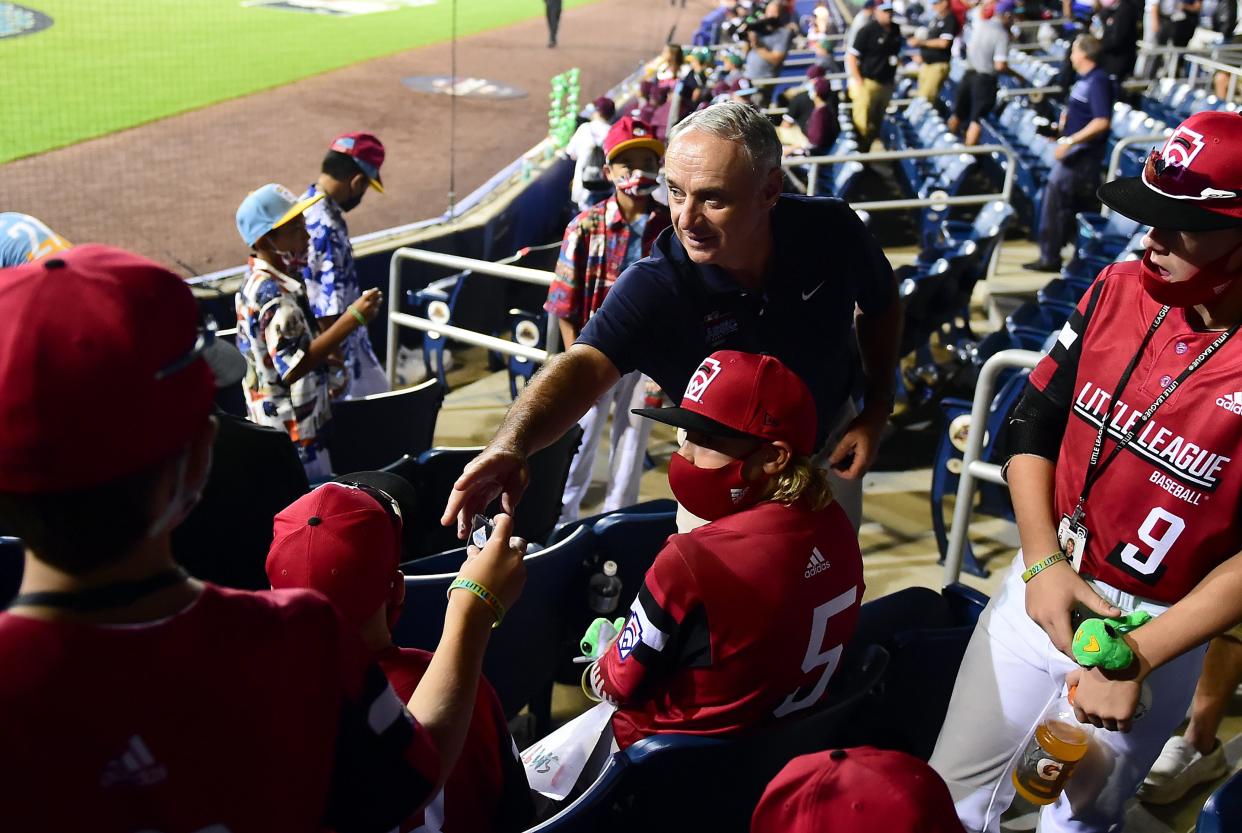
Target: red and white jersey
487 791
1164 513
737 622
244 712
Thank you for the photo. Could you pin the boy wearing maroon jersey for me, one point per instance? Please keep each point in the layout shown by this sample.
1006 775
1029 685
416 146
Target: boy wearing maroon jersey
344 540
135 697
743 620
1126 444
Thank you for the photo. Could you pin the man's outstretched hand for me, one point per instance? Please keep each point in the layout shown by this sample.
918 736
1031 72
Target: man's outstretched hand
495 472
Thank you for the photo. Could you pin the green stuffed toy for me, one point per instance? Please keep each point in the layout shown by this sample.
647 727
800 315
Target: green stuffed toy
599 636
1098 642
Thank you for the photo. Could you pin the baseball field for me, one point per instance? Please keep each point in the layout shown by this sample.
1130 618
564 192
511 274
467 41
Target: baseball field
106 65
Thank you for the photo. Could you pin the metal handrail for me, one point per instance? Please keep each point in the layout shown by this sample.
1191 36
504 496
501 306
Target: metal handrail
1114 161
931 202
1013 92
1197 61
972 467
483 267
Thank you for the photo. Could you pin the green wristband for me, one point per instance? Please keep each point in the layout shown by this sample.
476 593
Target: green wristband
489 598
359 317
1039 567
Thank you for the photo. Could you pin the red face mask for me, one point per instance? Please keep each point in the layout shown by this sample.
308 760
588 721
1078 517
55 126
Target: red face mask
1203 286
712 493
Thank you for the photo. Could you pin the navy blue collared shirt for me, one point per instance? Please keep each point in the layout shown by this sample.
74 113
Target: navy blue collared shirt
1091 97
665 314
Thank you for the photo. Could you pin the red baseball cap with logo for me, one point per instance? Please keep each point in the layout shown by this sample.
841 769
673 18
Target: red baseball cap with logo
861 790
1193 183
101 364
735 394
366 150
344 540
628 133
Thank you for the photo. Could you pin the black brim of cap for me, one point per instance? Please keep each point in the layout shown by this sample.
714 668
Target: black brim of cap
226 363
689 420
1130 197
400 490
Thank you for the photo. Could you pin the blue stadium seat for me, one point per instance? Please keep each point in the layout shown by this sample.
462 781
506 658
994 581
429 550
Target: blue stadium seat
659 505
925 634
677 782
590 812
529 330
1223 811
12 565
993 499
371 432
524 651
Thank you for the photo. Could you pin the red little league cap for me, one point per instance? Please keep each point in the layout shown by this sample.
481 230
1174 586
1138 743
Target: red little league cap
367 151
344 540
1193 183
735 394
861 790
630 132
101 363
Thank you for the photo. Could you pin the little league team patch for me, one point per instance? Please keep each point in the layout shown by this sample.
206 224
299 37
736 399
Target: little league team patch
337 8
18 20
630 636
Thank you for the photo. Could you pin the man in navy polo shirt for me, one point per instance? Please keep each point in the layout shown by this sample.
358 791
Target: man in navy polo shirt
744 268
1080 153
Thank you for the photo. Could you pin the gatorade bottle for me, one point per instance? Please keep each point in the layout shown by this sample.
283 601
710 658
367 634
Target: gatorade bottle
1048 761
605 590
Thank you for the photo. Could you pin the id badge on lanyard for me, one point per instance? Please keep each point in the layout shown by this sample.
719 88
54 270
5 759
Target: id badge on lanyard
1072 536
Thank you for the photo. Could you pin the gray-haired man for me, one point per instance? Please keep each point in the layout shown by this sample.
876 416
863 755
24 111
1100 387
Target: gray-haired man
744 268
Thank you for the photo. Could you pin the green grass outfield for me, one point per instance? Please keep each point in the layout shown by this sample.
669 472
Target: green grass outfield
106 65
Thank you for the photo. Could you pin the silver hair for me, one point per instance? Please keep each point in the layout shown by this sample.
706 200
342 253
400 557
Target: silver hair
736 122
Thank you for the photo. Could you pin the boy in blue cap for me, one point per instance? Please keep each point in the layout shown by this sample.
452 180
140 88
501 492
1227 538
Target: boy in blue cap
287 377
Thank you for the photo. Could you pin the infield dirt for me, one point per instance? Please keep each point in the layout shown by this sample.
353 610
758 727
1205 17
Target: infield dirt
169 189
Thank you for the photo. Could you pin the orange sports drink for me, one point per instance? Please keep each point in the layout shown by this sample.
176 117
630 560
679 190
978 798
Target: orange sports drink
1048 761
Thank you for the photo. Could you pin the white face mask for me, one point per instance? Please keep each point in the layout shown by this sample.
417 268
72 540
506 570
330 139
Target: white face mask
184 498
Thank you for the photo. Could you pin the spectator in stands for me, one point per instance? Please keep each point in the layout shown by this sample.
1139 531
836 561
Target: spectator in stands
1121 24
861 18
344 540
714 640
987 53
208 708
853 791
582 149
732 68
287 381
24 239
1196 756
935 45
1131 354
823 127
732 274
871 62
798 103
1225 23
552 9
768 40
1175 21
670 65
1084 127
350 168
255 472
600 244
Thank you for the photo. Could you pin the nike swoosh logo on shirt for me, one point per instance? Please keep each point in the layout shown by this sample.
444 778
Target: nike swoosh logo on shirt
806 296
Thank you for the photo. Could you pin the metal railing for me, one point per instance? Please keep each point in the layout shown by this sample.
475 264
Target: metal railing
931 202
1211 67
1173 55
398 319
1114 161
973 468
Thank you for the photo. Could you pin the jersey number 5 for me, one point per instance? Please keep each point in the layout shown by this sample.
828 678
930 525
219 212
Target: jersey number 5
816 656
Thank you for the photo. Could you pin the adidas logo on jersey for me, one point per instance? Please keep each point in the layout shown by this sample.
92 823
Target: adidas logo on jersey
136 765
1231 402
817 564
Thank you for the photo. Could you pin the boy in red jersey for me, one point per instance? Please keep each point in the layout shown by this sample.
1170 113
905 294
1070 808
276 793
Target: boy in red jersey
1124 442
742 620
344 540
136 697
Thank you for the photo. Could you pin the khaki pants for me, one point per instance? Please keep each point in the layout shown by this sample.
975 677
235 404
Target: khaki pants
931 79
870 102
